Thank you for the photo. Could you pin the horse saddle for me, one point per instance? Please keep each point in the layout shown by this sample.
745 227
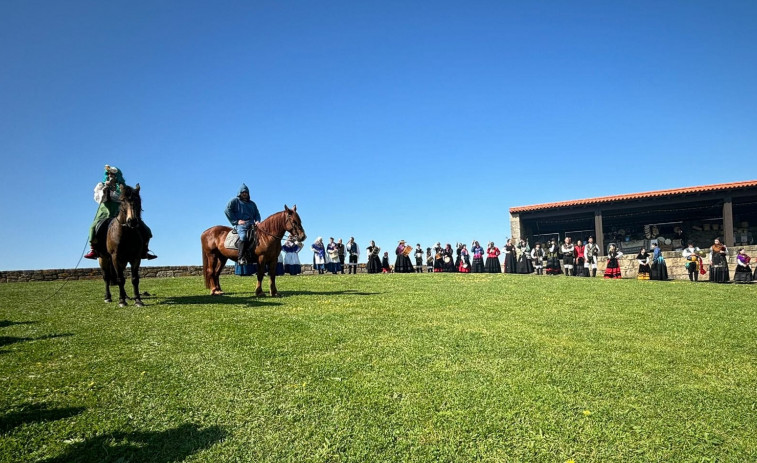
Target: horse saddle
232 239
102 225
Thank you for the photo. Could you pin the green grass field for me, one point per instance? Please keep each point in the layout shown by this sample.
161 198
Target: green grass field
381 368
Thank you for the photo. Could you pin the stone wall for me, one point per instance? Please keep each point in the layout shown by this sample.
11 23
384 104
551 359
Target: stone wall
628 267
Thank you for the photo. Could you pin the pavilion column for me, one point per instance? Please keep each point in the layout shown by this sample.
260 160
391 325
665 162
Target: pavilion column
516 227
599 235
728 221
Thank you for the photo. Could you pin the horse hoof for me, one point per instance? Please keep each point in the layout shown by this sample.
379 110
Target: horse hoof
108 300
122 303
139 303
276 295
216 292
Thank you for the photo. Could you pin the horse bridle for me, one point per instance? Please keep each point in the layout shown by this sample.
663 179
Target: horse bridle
288 222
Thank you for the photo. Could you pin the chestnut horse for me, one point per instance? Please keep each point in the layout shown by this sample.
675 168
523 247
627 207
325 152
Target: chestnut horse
270 233
121 243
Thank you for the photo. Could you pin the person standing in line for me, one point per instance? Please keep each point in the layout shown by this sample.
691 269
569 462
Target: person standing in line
694 265
354 253
448 257
552 252
291 250
525 266
743 272
510 260
643 258
385 268
429 261
438 257
658 267
374 259
319 255
478 257
418 258
464 260
567 250
340 249
402 263
613 265
332 257
591 252
537 258
492 258
719 263
579 256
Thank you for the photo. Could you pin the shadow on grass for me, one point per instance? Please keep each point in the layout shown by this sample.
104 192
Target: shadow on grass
345 292
144 446
7 340
36 413
248 299
6 323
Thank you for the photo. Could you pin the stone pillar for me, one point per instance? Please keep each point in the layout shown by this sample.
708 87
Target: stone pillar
599 235
728 221
515 227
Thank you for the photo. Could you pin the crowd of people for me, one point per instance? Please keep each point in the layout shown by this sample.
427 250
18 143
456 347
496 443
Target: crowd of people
566 258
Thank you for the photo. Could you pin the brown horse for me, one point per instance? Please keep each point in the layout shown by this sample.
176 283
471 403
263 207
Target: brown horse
121 243
270 232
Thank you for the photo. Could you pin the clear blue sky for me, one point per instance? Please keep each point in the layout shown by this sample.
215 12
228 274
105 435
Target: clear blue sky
423 121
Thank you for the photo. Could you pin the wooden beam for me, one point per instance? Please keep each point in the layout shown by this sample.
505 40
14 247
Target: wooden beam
599 235
728 221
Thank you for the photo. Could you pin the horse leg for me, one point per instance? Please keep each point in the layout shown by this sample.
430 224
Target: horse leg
272 277
217 264
121 283
135 283
107 277
259 287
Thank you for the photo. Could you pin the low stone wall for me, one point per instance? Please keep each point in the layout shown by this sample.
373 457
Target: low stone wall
628 267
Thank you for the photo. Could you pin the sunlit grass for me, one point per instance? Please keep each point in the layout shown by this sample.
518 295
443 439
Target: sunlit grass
381 368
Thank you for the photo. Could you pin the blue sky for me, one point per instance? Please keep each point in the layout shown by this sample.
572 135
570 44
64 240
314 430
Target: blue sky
383 120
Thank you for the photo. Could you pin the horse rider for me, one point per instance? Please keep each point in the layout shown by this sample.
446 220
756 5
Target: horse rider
243 214
107 194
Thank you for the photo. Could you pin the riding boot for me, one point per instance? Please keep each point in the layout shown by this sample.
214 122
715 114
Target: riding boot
242 258
92 254
146 254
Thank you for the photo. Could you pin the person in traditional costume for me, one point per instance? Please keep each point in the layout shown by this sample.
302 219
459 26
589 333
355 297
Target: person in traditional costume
402 263
319 255
108 198
448 258
353 250
510 264
385 268
280 265
438 258
613 265
658 267
340 249
478 257
743 272
429 261
458 250
537 258
694 264
492 259
567 249
374 260
524 265
643 259
552 253
332 257
244 216
418 258
465 266
291 250
591 251
579 259
718 263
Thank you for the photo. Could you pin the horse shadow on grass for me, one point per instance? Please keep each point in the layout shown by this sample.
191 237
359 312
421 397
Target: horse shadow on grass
35 413
8 340
170 445
344 292
236 299
7 323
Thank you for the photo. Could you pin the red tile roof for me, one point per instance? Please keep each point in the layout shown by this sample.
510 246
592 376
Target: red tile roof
648 194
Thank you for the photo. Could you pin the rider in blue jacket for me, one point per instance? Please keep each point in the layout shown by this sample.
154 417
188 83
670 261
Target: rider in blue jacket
243 214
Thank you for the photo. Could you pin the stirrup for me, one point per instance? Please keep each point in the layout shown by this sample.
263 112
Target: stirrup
149 256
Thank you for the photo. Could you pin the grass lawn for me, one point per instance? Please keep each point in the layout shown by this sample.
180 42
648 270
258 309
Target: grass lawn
381 368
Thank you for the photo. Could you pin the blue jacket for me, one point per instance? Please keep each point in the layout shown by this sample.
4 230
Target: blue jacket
237 209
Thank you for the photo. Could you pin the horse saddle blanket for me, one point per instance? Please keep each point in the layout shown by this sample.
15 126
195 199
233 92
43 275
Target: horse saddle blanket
232 238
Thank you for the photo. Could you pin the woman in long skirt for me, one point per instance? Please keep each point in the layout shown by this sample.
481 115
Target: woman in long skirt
319 255
743 272
464 266
658 268
438 258
613 265
524 259
643 259
492 259
402 264
478 257
448 259
718 263
510 265
552 253
374 260
291 250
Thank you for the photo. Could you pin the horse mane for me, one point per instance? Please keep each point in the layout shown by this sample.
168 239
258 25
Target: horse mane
273 221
